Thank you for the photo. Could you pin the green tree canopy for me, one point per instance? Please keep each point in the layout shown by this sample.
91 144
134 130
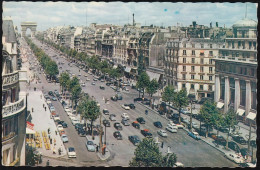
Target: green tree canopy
143 81
180 101
168 94
152 87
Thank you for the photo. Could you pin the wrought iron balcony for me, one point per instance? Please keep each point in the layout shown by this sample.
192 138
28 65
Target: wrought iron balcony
10 78
13 108
9 136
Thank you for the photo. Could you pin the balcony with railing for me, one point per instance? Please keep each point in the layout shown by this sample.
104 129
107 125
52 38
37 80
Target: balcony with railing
10 78
8 137
13 108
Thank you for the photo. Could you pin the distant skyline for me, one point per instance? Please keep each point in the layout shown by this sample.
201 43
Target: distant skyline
50 14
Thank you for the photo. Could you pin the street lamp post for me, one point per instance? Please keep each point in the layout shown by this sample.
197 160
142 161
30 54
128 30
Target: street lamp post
191 97
105 135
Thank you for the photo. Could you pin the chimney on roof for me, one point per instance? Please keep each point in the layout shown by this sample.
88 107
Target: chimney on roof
210 25
216 24
194 24
133 19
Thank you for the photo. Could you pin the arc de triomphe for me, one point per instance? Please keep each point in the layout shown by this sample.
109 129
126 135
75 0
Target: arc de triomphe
31 25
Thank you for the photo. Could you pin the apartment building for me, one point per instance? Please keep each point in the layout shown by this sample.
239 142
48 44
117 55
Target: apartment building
189 64
236 71
13 99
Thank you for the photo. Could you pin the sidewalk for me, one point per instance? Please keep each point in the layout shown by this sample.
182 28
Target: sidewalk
42 121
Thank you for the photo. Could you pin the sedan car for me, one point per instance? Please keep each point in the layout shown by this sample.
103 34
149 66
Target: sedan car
87 79
125 122
125 106
194 135
134 139
64 124
81 132
102 87
136 125
235 158
239 139
141 120
132 106
146 133
106 123
162 133
118 126
59 127
93 83
64 138
90 146
117 135
54 99
112 117
105 111
157 124
114 98
71 152
125 116
172 129
233 146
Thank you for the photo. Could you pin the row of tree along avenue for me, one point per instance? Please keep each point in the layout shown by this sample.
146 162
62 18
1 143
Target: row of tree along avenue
48 65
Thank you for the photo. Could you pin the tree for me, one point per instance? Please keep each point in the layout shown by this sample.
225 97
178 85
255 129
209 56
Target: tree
152 88
64 79
147 154
230 120
168 94
180 101
75 93
91 113
142 82
209 114
191 99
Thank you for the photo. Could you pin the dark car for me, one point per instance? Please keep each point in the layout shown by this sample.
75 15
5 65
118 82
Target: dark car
105 111
141 120
106 123
109 83
146 133
157 124
132 106
136 125
239 139
51 93
134 139
114 98
253 143
244 151
125 122
138 99
117 135
81 132
233 146
221 140
223 129
118 126
64 125
102 87
175 116
78 125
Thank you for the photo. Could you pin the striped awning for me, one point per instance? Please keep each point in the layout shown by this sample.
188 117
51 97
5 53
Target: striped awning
240 112
251 116
220 105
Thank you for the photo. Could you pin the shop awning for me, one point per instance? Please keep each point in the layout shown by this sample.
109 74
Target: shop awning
251 116
240 112
29 131
128 69
201 51
152 75
220 105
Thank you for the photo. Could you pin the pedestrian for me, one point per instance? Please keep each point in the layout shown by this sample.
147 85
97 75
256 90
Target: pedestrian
54 151
45 108
59 150
97 148
32 109
54 141
48 163
162 145
50 140
56 132
49 130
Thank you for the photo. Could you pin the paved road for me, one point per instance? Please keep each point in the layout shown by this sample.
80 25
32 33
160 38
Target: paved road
190 152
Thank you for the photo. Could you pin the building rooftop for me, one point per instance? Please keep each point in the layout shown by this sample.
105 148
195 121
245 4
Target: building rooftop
246 22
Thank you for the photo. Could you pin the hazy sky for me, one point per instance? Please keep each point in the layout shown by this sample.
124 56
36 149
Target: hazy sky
49 14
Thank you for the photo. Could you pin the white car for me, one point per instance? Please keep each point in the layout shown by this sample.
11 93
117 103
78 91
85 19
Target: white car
83 85
69 113
71 152
235 158
179 126
79 74
125 116
74 121
162 133
56 118
172 124
86 75
72 117
195 125
172 129
178 164
67 109
126 107
87 79
60 127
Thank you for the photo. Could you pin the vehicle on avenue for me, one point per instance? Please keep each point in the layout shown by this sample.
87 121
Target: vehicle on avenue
194 125
185 120
118 126
125 122
74 121
136 125
106 123
51 93
86 75
87 79
112 117
79 74
134 139
178 164
220 140
56 118
81 132
108 84
102 80
234 157
78 125
146 133
71 152
172 129
141 120
93 83
132 106
59 127
117 135
233 146
90 146
61 132
125 116
125 106
244 152
157 124
102 87
64 124
194 135
64 138
83 84
162 133
94 79
114 98
105 111
239 139
54 99
184 111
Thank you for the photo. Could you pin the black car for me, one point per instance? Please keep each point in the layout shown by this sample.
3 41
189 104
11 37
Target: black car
157 124
239 139
134 139
132 106
118 126
114 98
223 129
244 151
141 120
64 125
81 132
106 123
117 135
175 116
146 133
51 93
136 125
233 146
221 140
102 87
105 111
109 83
78 125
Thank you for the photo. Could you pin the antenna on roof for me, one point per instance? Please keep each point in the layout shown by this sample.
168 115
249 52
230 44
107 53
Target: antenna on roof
246 10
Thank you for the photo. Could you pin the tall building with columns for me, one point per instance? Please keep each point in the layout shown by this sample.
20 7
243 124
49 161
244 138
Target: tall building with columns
236 69
13 99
